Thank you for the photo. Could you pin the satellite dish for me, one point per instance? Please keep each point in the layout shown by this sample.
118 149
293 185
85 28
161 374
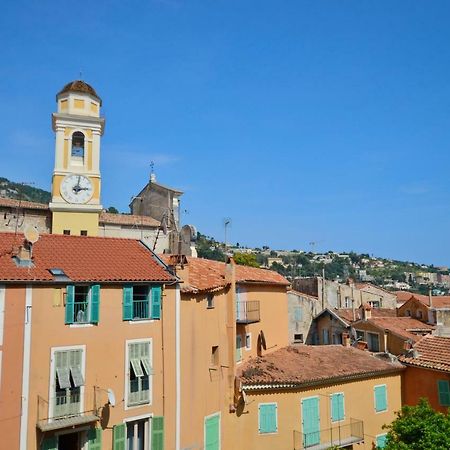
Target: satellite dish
31 234
111 398
263 340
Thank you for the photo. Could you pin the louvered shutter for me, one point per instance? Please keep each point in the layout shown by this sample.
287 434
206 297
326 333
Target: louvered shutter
50 443
70 298
119 437
337 407
158 433
156 302
95 439
380 398
128 303
444 392
268 418
95 303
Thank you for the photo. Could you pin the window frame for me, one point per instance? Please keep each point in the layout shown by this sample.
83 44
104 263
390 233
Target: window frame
127 375
265 433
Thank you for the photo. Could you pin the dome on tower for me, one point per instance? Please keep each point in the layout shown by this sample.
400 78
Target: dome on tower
79 86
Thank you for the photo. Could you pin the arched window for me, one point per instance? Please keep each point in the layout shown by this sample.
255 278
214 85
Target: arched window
78 144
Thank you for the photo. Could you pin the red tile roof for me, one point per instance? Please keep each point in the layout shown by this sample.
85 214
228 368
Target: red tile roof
128 219
433 353
316 364
347 314
208 275
404 327
12 203
82 258
438 301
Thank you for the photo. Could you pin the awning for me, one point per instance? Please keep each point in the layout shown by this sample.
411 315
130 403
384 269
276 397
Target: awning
77 376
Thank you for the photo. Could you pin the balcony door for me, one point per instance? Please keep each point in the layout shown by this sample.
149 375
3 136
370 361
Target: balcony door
310 421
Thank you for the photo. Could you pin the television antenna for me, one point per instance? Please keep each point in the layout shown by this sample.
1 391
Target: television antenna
226 224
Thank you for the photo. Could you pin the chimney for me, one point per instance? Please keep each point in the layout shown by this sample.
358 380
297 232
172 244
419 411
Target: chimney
430 299
367 311
23 256
346 339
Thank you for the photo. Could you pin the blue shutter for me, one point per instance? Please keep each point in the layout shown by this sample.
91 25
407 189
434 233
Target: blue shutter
70 298
119 437
95 303
156 302
128 303
337 407
381 441
50 443
268 418
444 392
380 398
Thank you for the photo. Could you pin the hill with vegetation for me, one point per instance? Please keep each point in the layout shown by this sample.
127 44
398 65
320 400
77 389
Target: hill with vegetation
21 191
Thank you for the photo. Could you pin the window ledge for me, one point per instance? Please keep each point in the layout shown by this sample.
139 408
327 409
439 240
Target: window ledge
81 325
141 321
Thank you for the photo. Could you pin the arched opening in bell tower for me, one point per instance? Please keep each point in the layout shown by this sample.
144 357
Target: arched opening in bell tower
78 145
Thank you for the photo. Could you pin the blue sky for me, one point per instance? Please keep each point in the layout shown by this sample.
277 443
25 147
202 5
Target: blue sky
303 121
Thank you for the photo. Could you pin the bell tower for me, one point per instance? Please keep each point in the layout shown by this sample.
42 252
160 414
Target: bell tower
75 204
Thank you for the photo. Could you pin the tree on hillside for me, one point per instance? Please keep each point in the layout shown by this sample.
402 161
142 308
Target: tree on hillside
418 428
246 259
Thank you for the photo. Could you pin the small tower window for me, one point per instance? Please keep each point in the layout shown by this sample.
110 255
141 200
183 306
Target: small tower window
78 144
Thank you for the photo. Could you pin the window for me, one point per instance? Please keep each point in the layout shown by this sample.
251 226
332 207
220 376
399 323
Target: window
83 233
210 301
141 302
248 341
136 434
139 372
66 232
381 440
215 355
82 304
347 302
325 336
78 145
360 336
337 407
444 392
419 314
374 304
408 313
380 397
267 418
373 342
298 337
67 381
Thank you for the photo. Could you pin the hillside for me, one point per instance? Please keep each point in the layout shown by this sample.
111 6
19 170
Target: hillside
20 191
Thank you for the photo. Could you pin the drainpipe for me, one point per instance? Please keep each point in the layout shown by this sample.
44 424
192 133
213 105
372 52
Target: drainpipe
230 277
177 367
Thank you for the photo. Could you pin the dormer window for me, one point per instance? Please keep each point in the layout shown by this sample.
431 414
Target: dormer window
78 145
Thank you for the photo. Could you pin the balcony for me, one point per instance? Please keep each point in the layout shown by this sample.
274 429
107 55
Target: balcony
68 409
247 311
339 435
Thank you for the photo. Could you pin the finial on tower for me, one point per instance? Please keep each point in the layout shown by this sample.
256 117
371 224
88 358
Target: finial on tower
152 172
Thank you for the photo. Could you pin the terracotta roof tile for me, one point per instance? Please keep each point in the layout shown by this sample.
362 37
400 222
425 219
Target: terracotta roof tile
82 258
304 364
347 314
13 203
128 219
208 275
433 353
438 301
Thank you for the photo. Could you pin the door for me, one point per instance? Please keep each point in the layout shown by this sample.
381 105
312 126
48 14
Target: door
310 421
212 433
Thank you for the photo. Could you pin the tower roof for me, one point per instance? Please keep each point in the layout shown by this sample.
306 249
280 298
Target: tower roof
79 86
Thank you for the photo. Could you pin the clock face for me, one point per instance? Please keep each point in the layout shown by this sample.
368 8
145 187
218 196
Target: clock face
76 189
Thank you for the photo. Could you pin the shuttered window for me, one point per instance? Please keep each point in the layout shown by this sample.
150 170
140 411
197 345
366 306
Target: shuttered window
268 418
82 304
140 370
119 437
380 395
381 441
212 432
337 407
444 392
158 433
141 302
95 439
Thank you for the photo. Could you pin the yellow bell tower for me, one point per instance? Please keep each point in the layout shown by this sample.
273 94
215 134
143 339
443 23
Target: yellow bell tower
78 126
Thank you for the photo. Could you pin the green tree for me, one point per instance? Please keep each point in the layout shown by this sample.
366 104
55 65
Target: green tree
419 428
246 259
112 210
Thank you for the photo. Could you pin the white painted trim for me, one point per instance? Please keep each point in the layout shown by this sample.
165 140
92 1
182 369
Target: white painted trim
149 418
26 367
178 367
220 428
147 321
127 373
2 312
52 381
276 418
81 325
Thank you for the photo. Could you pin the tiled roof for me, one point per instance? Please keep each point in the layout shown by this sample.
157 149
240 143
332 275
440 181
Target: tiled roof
370 286
316 364
128 219
208 275
438 301
401 326
302 294
13 203
82 258
433 353
347 314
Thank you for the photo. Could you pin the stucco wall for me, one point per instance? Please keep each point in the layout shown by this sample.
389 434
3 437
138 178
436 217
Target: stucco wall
301 311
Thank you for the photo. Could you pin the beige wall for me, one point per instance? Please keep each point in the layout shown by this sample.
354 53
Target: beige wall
359 404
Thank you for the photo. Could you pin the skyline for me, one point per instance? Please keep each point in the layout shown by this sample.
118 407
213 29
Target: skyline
302 123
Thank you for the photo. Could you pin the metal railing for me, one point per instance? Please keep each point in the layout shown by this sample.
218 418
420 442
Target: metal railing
141 309
81 312
247 311
339 435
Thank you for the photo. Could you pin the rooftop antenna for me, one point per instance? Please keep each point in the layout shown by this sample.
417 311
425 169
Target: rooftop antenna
226 224
81 75
152 172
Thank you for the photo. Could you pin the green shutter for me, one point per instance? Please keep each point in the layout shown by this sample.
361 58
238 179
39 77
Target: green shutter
156 302
444 392
380 398
212 433
70 298
268 418
337 407
50 443
158 433
128 303
381 441
119 437
95 439
95 303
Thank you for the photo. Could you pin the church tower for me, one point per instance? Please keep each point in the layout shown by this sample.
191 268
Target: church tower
75 204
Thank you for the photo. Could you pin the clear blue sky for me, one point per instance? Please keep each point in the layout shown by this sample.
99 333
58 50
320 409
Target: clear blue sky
303 121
